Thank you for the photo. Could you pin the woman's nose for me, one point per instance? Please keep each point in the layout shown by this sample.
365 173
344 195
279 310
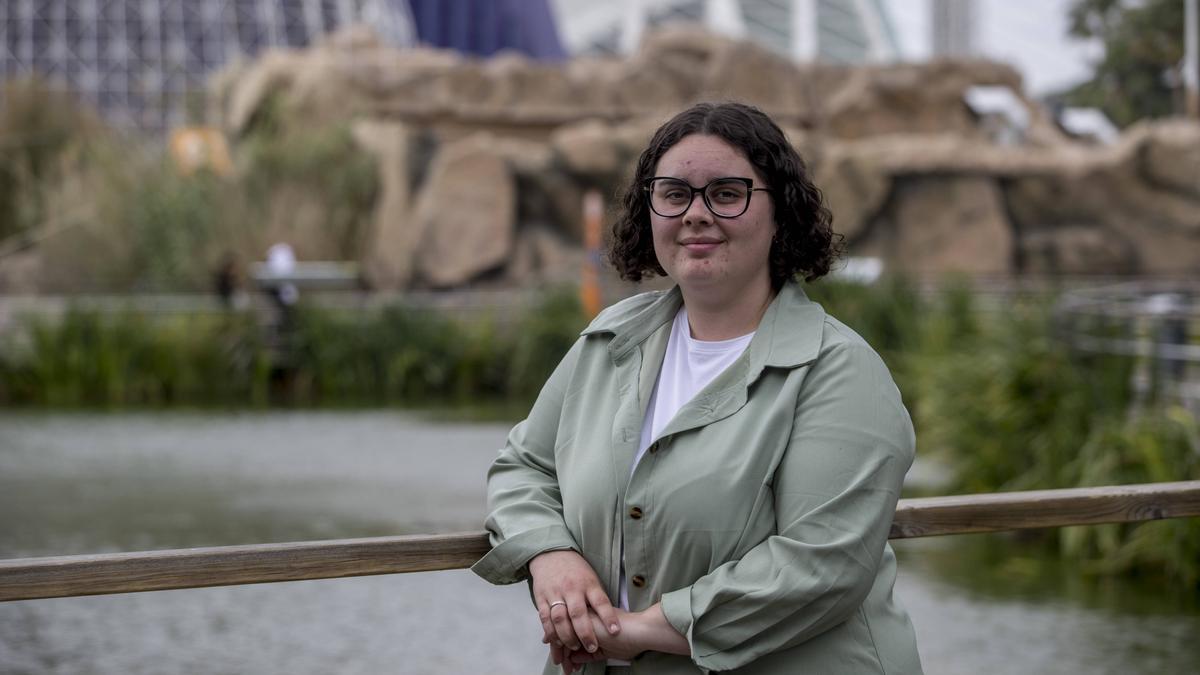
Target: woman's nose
697 213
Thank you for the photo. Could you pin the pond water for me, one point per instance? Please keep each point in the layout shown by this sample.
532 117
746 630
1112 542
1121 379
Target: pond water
84 483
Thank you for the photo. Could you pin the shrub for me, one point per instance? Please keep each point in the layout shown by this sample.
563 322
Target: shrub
37 126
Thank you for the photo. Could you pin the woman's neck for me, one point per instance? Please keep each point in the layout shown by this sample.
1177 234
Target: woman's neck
712 319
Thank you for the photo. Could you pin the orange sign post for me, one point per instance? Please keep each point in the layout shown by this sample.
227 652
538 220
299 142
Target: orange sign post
589 286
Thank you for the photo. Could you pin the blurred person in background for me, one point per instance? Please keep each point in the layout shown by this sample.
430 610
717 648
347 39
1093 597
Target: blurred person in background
708 479
281 264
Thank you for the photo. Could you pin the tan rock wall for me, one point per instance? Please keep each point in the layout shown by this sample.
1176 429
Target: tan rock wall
938 224
465 215
391 243
909 171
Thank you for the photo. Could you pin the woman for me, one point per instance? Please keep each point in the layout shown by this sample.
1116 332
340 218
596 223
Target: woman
721 461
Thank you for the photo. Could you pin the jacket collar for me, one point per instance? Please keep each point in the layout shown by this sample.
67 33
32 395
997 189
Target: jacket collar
788 336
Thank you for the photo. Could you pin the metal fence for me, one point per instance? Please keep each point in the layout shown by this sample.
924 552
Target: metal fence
1156 323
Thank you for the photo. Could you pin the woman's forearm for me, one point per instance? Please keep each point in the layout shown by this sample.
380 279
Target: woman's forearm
658 635
645 631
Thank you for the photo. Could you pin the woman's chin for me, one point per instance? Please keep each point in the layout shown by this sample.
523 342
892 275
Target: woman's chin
699 280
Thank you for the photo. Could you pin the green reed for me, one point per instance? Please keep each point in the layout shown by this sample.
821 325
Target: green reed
1008 406
397 355
89 359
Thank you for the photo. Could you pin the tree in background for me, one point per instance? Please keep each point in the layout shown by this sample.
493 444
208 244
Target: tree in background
1139 75
37 125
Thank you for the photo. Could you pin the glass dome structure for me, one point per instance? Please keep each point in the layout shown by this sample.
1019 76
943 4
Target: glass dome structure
137 61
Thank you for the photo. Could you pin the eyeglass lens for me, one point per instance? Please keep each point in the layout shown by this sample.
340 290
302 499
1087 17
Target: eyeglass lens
725 197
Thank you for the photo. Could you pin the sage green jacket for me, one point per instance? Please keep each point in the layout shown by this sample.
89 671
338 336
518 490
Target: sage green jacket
763 509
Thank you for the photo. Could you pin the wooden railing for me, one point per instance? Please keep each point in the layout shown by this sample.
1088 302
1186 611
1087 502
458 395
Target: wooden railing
31 578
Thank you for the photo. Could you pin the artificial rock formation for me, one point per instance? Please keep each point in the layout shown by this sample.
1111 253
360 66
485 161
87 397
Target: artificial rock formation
465 214
389 253
483 164
942 223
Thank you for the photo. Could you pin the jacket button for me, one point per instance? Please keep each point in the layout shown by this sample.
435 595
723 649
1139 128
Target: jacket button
638 580
635 513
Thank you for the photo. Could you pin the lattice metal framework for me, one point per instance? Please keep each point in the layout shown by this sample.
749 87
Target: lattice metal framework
138 61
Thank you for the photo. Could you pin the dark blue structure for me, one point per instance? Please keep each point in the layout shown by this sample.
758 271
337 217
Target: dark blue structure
484 27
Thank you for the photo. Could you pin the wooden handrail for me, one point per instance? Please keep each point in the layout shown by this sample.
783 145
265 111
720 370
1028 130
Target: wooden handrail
55 577
1035 509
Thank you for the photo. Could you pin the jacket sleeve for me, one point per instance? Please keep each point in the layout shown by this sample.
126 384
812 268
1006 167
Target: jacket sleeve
524 501
835 494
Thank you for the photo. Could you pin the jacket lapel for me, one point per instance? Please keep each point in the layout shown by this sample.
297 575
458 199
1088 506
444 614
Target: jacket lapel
653 352
637 348
789 336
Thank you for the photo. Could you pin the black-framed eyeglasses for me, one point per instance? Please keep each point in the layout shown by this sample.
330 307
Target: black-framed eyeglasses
724 197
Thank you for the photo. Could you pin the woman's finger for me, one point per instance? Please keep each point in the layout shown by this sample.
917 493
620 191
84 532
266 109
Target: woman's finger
581 622
603 608
564 628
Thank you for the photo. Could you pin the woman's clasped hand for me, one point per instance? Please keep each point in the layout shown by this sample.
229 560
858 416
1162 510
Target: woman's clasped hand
569 595
582 626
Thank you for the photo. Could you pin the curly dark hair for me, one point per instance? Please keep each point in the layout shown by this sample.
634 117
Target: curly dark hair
804 243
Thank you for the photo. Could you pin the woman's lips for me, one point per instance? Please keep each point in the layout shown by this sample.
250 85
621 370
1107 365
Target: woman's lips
700 245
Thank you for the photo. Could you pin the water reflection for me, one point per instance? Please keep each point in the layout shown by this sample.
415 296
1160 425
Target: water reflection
88 483
1029 615
77 483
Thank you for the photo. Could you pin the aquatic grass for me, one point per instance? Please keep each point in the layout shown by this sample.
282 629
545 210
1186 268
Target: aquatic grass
550 329
888 314
1158 446
400 355
86 358
1012 407
1008 406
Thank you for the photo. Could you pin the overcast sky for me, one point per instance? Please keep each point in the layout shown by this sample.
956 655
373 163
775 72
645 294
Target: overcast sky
1029 34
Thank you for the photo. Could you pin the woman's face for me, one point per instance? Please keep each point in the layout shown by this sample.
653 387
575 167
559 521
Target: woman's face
705 253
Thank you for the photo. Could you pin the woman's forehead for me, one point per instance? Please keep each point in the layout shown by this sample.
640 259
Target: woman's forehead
703 156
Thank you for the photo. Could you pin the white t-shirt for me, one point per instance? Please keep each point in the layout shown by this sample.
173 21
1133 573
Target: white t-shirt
688 366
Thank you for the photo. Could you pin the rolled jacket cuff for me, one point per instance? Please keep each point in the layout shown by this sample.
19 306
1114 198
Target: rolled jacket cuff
506 563
677 608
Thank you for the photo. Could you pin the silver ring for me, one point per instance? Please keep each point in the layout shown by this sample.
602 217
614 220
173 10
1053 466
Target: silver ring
557 603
